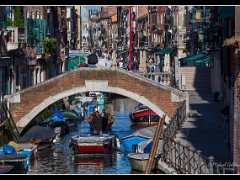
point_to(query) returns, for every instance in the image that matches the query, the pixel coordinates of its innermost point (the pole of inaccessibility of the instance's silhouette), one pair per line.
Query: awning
(193, 58)
(165, 51)
(202, 60)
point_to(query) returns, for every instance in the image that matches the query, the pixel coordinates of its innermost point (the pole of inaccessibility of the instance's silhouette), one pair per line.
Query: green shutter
(4, 23)
(30, 28)
(193, 14)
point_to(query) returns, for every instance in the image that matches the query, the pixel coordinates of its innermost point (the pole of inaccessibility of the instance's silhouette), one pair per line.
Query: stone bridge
(27, 104)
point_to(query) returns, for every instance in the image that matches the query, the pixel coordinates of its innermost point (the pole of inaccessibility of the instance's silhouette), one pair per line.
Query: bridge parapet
(26, 104)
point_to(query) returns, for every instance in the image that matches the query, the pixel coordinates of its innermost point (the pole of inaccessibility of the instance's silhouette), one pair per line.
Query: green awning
(193, 58)
(165, 51)
(202, 60)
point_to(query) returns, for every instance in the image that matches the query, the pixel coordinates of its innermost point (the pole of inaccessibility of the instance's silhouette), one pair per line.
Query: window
(37, 14)
(32, 15)
(40, 14)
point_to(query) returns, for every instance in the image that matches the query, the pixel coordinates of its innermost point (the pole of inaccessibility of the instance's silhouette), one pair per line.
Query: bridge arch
(27, 104)
(23, 122)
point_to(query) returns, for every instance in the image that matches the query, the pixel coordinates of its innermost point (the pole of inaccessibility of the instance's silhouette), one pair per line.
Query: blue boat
(26, 149)
(131, 141)
(55, 122)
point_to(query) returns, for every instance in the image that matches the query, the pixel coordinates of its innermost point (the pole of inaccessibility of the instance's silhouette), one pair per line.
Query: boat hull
(94, 148)
(130, 143)
(139, 161)
(144, 116)
(93, 144)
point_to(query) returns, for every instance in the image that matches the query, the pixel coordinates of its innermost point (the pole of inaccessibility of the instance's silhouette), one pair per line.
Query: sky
(93, 7)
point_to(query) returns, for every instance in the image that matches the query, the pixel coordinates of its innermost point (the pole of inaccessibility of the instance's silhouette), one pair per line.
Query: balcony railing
(163, 78)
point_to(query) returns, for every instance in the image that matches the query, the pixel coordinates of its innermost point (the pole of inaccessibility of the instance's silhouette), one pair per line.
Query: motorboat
(87, 143)
(144, 115)
(139, 161)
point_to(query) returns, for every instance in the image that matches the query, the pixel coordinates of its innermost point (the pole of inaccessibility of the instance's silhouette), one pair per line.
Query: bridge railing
(187, 161)
(182, 158)
(176, 122)
(163, 78)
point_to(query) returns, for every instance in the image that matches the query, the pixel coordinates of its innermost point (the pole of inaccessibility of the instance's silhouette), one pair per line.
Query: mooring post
(155, 145)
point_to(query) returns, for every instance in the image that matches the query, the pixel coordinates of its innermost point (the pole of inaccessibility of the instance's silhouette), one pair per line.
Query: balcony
(12, 33)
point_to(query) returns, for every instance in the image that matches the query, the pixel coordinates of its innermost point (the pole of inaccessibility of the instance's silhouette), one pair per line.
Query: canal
(60, 159)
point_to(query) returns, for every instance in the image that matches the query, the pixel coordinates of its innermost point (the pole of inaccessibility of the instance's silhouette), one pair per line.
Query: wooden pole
(155, 145)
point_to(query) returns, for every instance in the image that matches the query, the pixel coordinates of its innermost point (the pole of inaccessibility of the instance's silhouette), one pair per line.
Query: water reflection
(93, 163)
(50, 160)
(60, 159)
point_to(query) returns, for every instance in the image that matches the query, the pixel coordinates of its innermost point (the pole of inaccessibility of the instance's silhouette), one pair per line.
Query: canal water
(60, 159)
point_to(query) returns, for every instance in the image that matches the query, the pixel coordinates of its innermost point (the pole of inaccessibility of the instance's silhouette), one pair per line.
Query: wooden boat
(143, 115)
(19, 161)
(86, 143)
(138, 161)
(107, 120)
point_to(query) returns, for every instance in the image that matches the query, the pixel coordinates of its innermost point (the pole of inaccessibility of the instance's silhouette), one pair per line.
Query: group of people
(99, 122)
(123, 62)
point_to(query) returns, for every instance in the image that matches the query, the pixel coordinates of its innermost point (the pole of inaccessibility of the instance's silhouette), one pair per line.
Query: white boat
(86, 143)
(138, 161)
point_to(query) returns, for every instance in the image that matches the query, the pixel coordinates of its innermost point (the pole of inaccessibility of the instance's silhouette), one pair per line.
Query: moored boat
(19, 161)
(86, 143)
(144, 115)
(131, 141)
(56, 122)
(138, 161)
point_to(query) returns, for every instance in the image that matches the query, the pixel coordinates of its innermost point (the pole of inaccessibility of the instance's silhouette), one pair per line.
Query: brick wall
(32, 97)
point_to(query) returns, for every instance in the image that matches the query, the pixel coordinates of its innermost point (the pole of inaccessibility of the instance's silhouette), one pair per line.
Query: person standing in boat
(96, 123)
(104, 119)
(108, 120)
